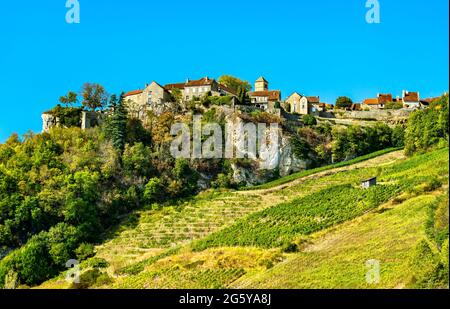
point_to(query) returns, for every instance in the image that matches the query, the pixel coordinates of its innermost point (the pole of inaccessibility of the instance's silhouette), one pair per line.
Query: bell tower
(261, 84)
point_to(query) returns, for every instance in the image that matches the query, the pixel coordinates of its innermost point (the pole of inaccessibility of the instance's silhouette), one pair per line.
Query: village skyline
(330, 51)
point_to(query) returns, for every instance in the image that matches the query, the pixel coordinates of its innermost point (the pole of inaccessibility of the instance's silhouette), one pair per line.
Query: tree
(343, 102)
(69, 99)
(116, 127)
(234, 83)
(177, 95)
(94, 96)
(243, 96)
(113, 102)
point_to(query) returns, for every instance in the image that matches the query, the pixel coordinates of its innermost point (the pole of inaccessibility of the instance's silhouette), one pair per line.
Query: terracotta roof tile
(313, 99)
(173, 86)
(371, 101)
(272, 95)
(205, 81)
(134, 92)
(384, 98)
(411, 97)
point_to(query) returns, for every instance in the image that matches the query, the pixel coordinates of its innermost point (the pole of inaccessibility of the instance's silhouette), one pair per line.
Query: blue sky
(320, 47)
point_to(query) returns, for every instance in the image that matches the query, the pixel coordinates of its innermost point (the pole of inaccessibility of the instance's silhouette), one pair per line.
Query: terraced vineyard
(238, 238)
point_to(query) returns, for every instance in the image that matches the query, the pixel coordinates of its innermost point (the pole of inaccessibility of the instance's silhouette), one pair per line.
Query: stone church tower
(261, 84)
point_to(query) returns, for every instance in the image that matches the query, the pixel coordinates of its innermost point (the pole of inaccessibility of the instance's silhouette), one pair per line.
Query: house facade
(156, 97)
(201, 87)
(410, 99)
(139, 102)
(262, 97)
(304, 105)
(377, 103)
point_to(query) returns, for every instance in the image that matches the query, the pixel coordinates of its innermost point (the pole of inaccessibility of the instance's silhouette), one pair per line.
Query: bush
(84, 251)
(309, 120)
(290, 248)
(153, 190)
(136, 159)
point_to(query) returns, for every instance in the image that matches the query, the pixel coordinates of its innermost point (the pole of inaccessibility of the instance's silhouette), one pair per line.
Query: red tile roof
(371, 101)
(272, 95)
(134, 92)
(430, 100)
(205, 81)
(177, 86)
(313, 99)
(384, 98)
(411, 97)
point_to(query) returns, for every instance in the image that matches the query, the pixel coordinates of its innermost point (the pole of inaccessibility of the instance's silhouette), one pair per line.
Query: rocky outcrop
(90, 119)
(48, 122)
(279, 162)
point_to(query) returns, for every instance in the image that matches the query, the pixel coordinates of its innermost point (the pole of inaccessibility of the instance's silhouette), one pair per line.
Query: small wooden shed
(366, 184)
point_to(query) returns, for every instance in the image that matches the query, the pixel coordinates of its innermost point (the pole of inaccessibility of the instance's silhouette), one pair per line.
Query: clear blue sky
(320, 47)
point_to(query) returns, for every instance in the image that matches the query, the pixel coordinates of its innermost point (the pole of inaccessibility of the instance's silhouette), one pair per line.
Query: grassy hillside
(314, 231)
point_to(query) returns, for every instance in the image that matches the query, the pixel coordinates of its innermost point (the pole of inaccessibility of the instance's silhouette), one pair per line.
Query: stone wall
(48, 122)
(380, 115)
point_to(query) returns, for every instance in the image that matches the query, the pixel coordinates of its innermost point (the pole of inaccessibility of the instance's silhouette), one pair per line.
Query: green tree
(243, 96)
(234, 83)
(343, 102)
(428, 128)
(94, 96)
(137, 159)
(116, 125)
(69, 99)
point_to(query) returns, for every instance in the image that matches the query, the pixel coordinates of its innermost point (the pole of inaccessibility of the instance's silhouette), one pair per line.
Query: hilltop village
(154, 95)
(183, 96)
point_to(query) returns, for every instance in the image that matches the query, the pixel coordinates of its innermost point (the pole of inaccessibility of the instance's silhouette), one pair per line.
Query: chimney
(187, 80)
(404, 92)
(418, 96)
(378, 95)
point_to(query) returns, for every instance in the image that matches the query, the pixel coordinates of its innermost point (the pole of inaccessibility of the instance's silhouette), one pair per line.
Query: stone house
(410, 99)
(262, 97)
(152, 97)
(198, 88)
(293, 101)
(377, 103)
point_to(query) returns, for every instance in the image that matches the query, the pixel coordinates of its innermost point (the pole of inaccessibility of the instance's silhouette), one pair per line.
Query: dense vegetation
(61, 191)
(428, 128)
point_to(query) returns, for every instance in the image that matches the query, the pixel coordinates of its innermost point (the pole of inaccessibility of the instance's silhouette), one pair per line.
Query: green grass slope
(248, 238)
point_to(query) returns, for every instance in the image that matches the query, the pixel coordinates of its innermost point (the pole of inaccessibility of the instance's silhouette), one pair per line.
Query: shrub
(309, 120)
(153, 190)
(84, 251)
(290, 248)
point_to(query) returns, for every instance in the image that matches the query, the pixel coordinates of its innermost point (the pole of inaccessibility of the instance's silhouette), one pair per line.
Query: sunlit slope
(315, 231)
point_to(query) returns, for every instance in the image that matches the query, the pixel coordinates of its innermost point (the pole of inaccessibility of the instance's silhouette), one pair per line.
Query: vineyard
(223, 239)
(277, 226)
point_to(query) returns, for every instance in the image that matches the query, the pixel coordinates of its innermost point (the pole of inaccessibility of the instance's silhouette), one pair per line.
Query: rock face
(90, 119)
(278, 161)
(49, 121)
